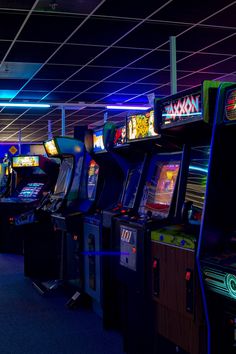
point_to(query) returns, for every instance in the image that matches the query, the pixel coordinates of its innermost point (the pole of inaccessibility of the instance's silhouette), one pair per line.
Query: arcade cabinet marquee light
(182, 108)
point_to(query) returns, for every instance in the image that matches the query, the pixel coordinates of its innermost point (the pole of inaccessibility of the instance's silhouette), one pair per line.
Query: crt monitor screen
(196, 182)
(31, 190)
(93, 172)
(132, 184)
(64, 177)
(158, 191)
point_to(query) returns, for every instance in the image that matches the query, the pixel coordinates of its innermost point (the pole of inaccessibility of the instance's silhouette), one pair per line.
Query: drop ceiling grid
(215, 62)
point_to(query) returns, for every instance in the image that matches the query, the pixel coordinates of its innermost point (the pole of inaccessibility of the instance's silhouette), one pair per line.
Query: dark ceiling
(105, 52)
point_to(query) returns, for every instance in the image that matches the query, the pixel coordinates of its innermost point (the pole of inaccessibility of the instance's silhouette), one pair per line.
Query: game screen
(196, 182)
(51, 148)
(120, 136)
(98, 140)
(132, 185)
(31, 190)
(64, 177)
(93, 173)
(140, 126)
(158, 192)
(230, 105)
(25, 161)
(181, 110)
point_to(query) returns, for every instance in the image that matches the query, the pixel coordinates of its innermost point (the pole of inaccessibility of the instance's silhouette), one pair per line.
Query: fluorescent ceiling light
(25, 105)
(136, 108)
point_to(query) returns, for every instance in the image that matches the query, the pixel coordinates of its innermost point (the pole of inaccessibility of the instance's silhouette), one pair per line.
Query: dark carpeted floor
(33, 324)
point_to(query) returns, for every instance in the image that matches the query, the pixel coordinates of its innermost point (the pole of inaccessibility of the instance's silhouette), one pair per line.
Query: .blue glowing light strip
(181, 114)
(200, 169)
(25, 105)
(136, 108)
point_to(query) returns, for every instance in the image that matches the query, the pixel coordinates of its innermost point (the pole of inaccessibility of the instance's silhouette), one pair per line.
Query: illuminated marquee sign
(230, 105)
(120, 136)
(140, 126)
(25, 161)
(98, 140)
(183, 109)
(50, 148)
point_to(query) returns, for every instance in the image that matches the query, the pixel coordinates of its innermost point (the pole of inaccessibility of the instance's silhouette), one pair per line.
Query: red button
(154, 265)
(188, 276)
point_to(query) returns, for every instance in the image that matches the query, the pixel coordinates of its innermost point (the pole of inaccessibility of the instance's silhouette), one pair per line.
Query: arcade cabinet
(42, 246)
(179, 320)
(130, 235)
(5, 176)
(35, 176)
(68, 223)
(217, 246)
(110, 187)
(133, 157)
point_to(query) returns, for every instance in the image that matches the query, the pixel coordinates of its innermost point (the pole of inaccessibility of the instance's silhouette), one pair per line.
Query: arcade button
(154, 264)
(182, 242)
(188, 275)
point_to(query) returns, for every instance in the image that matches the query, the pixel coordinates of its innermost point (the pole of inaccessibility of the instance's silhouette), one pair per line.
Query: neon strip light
(25, 105)
(136, 108)
(200, 169)
(182, 115)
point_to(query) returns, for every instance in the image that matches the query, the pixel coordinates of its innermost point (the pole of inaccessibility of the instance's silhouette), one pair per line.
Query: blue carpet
(32, 324)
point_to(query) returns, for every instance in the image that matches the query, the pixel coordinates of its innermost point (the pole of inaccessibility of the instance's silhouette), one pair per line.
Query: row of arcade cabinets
(155, 296)
(217, 251)
(33, 177)
(115, 240)
(141, 221)
(148, 286)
